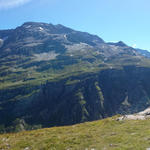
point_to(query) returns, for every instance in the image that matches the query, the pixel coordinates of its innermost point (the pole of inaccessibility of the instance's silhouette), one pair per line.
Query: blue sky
(112, 20)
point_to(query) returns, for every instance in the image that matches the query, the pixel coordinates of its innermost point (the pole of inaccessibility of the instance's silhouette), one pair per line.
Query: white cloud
(5, 4)
(134, 45)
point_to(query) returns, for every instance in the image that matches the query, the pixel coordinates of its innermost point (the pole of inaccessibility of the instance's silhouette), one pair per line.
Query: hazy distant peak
(34, 23)
(120, 43)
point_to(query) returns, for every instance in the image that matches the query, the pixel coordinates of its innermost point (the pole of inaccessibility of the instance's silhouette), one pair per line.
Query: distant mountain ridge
(51, 75)
(145, 53)
(120, 43)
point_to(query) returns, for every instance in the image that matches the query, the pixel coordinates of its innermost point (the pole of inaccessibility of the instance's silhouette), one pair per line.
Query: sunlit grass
(104, 134)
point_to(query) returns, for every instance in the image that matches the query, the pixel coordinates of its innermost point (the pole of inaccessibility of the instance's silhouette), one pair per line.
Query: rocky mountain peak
(50, 28)
(120, 43)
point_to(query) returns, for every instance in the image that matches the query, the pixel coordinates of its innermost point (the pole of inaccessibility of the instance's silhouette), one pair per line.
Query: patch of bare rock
(143, 115)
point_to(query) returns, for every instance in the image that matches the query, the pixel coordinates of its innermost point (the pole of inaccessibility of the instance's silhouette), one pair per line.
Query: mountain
(120, 43)
(97, 135)
(51, 75)
(145, 53)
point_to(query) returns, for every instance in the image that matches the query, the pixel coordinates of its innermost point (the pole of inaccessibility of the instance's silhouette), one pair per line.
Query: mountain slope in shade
(52, 75)
(145, 53)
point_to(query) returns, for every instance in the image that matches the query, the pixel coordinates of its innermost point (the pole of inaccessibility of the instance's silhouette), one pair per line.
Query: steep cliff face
(96, 96)
(79, 98)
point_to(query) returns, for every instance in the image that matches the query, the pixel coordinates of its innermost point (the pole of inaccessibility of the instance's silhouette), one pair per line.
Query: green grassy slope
(107, 134)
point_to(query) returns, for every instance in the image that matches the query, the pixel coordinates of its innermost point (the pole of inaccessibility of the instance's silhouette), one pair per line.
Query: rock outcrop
(143, 115)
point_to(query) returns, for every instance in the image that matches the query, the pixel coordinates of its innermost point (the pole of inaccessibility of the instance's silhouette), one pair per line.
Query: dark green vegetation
(107, 134)
(52, 75)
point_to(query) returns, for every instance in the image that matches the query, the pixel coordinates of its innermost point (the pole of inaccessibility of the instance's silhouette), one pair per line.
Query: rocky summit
(51, 75)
